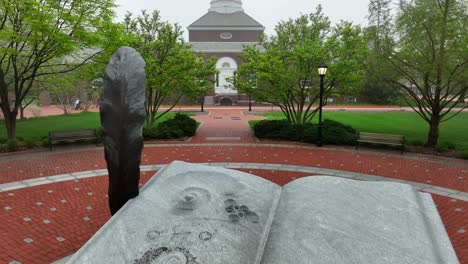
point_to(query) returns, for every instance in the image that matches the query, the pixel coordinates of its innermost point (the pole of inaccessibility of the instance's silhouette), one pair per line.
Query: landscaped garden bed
(33, 132)
(453, 140)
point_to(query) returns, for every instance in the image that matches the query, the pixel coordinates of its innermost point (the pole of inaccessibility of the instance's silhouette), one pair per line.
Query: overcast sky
(267, 12)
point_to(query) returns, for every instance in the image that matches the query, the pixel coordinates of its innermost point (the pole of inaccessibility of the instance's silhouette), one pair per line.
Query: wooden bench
(75, 136)
(381, 139)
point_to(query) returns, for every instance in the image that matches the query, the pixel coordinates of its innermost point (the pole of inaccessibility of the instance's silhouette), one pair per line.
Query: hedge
(178, 127)
(334, 132)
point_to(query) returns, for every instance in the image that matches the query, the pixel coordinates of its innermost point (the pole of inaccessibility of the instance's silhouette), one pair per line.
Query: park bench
(381, 139)
(75, 136)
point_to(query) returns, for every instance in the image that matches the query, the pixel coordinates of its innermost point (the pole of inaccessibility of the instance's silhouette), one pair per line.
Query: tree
(380, 35)
(173, 70)
(37, 38)
(431, 59)
(84, 84)
(286, 72)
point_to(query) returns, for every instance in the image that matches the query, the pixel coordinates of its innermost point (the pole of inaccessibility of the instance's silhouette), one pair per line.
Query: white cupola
(226, 6)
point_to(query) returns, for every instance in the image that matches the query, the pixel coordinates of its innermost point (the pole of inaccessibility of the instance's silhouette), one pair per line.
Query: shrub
(45, 142)
(271, 128)
(338, 134)
(449, 145)
(179, 126)
(333, 132)
(416, 142)
(12, 145)
(463, 153)
(99, 134)
(30, 142)
(184, 122)
(149, 133)
(445, 146)
(3, 140)
(20, 138)
(169, 132)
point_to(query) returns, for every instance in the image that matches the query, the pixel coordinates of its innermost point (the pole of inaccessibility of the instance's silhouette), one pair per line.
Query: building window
(226, 65)
(305, 83)
(351, 99)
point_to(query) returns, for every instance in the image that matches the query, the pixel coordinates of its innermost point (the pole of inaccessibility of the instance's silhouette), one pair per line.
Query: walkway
(52, 203)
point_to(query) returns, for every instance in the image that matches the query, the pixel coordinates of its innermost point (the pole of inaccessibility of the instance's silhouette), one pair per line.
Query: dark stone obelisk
(122, 109)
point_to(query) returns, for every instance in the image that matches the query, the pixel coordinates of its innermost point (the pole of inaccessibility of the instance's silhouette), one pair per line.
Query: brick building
(223, 32)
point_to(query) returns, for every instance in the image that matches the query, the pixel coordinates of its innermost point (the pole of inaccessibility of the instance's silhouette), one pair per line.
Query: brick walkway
(49, 221)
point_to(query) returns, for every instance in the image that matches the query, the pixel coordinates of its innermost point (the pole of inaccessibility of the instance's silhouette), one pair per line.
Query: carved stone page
(189, 214)
(324, 220)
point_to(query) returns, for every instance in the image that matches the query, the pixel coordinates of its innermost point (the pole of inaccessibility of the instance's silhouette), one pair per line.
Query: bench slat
(71, 136)
(381, 139)
(380, 142)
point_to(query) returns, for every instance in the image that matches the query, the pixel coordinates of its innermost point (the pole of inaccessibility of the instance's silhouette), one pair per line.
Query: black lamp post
(252, 79)
(322, 71)
(202, 98)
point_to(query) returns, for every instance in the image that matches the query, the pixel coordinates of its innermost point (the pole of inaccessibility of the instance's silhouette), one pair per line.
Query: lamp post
(322, 71)
(202, 98)
(252, 78)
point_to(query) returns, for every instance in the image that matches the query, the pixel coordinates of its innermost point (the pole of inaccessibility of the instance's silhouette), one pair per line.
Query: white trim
(451, 193)
(221, 61)
(224, 72)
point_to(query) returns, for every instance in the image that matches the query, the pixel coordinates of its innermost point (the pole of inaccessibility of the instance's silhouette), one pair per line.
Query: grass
(408, 124)
(36, 128)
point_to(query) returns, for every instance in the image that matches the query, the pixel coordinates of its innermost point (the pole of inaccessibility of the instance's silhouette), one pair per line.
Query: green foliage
(377, 88)
(338, 134)
(376, 91)
(179, 126)
(416, 142)
(173, 69)
(30, 142)
(286, 74)
(99, 134)
(45, 38)
(408, 124)
(40, 127)
(441, 148)
(45, 142)
(3, 140)
(12, 145)
(445, 146)
(463, 153)
(333, 132)
(431, 58)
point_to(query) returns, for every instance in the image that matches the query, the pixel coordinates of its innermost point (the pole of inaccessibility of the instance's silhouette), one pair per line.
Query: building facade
(223, 32)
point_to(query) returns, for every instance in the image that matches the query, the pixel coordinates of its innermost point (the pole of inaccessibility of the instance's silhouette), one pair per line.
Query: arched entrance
(226, 67)
(225, 102)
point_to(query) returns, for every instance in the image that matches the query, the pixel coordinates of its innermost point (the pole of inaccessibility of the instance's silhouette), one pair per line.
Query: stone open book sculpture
(194, 214)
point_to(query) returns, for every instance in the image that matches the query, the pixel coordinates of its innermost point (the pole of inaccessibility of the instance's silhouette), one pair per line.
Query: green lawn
(410, 125)
(39, 127)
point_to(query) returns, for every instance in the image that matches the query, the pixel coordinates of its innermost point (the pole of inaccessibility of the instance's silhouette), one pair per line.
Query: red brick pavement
(81, 209)
(434, 173)
(226, 123)
(59, 218)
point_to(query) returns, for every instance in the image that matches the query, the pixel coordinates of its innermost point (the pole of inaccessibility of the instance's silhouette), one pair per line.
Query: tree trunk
(10, 123)
(22, 112)
(433, 136)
